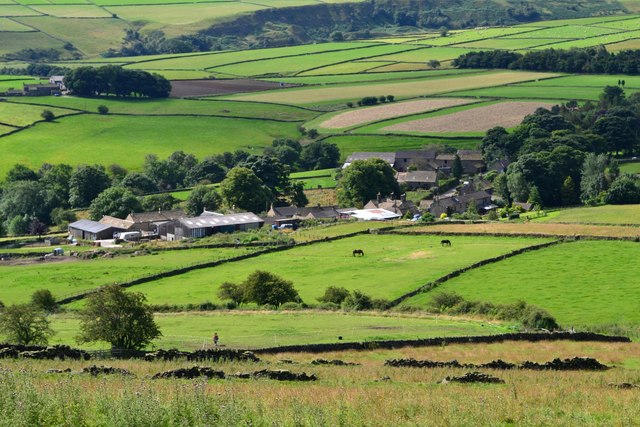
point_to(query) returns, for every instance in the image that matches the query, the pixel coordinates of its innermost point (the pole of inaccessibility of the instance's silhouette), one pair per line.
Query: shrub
(291, 306)
(445, 300)
(47, 115)
(390, 98)
(357, 301)
(427, 217)
(334, 294)
(350, 104)
(380, 304)
(368, 100)
(330, 306)
(103, 109)
(44, 300)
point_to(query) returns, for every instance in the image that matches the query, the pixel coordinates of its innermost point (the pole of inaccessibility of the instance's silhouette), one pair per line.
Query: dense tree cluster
(363, 180)
(260, 287)
(115, 80)
(594, 60)
(566, 155)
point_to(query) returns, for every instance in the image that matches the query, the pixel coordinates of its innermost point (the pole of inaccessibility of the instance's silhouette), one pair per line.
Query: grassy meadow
(352, 395)
(126, 140)
(18, 282)
(608, 214)
(391, 267)
(260, 329)
(579, 283)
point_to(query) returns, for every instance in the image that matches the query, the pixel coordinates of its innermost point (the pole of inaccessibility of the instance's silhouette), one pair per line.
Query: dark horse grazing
(358, 252)
(445, 242)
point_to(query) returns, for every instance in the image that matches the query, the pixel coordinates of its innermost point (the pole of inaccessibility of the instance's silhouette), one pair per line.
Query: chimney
(393, 195)
(378, 197)
(403, 197)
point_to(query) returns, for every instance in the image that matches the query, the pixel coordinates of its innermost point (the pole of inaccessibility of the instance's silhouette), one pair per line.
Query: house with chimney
(400, 206)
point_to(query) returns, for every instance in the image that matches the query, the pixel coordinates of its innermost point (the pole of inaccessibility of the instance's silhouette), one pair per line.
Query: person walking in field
(215, 339)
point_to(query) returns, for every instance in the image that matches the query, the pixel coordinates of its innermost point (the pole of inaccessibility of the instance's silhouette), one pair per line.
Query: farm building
(148, 221)
(422, 160)
(459, 203)
(85, 229)
(365, 155)
(116, 222)
(41, 89)
(400, 206)
(418, 179)
(206, 225)
(293, 214)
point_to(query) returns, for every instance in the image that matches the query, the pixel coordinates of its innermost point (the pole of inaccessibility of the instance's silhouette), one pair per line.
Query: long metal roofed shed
(202, 226)
(85, 229)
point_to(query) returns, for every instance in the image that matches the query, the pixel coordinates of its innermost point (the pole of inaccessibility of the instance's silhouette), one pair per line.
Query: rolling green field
(324, 178)
(24, 115)
(392, 266)
(153, 107)
(17, 283)
(579, 283)
(608, 214)
(238, 329)
(127, 139)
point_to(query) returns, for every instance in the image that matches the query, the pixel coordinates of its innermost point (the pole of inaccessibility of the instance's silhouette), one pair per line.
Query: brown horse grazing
(358, 252)
(445, 242)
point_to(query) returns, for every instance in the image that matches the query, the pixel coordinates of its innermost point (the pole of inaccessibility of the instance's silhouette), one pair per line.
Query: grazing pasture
(255, 329)
(24, 115)
(17, 283)
(478, 119)
(534, 227)
(163, 107)
(392, 266)
(608, 214)
(560, 93)
(126, 140)
(579, 283)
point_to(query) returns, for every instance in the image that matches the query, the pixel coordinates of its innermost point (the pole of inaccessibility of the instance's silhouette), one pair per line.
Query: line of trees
(115, 80)
(566, 155)
(594, 60)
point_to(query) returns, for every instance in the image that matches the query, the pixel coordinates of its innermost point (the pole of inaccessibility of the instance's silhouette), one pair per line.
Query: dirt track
(365, 115)
(505, 114)
(187, 88)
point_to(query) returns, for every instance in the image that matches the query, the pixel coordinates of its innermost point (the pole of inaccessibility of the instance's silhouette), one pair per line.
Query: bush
(390, 98)
(334, 294)
(357, 301)
(368, 100)
(47, 115)
(330, 306)
(292, 306)
(103, 109)
(350, 104)
(44, 300)
(445, 300)
(427, 217)
(381, 304)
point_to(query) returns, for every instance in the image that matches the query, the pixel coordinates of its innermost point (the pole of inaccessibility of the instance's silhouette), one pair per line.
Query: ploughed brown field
(186, 88)
(505, 114)
(372, 114)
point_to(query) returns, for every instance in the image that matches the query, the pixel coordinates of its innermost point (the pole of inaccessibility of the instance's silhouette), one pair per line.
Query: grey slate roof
(156, 216)
(90, 226)
(365, 155)
(418, 176)
(220, 221)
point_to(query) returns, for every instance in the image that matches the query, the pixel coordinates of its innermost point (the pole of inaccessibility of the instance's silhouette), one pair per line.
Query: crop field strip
(478, 119)
(404, 89)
